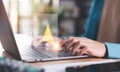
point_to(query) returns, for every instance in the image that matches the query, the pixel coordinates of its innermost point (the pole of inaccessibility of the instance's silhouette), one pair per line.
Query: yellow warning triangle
(48, 34)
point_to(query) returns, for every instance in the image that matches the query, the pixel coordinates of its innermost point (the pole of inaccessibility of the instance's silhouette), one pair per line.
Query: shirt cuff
(113, 50)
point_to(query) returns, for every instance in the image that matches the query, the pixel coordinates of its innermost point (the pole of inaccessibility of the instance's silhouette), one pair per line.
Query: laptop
(26, 53)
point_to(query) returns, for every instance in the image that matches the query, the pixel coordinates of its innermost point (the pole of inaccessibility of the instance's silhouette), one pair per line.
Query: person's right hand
(84, 46)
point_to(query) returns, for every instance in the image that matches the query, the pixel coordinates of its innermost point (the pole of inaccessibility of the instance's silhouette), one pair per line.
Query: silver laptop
(26, 53)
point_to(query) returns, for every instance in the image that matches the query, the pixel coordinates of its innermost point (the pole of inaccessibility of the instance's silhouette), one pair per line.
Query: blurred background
(71, 14)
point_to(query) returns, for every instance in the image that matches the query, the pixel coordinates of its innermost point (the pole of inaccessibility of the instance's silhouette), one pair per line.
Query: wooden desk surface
(4, 54)
(57, 62)
(67, 61)
(60, 65)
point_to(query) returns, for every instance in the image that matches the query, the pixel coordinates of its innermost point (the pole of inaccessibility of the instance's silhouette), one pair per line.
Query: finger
(70, 44)
(75, 48)
(65, 41)
(83, 51)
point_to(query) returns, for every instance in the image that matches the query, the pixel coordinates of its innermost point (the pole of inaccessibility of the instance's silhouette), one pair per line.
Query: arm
(113, 50)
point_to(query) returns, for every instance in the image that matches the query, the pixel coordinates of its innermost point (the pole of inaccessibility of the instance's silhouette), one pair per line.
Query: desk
(59, 66)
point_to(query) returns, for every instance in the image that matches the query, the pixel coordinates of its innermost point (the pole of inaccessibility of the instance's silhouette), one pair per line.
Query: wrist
(106, 51)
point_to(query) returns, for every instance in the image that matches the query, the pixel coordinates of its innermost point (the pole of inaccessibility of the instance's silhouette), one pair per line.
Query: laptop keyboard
(31, 53)
(52, 54)
(62, 53)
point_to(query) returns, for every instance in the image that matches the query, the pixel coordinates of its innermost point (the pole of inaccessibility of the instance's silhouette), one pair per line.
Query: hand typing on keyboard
(83, 46)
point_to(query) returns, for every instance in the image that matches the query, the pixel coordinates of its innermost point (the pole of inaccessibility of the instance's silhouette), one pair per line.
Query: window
(21, 13)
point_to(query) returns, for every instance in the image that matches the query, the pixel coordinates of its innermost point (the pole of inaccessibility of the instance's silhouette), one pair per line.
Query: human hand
(84, 46)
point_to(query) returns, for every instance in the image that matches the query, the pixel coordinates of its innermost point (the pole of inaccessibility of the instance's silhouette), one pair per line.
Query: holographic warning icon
(48, 37)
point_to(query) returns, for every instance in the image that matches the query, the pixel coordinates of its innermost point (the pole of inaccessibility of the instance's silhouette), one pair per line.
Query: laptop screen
(6, 34)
